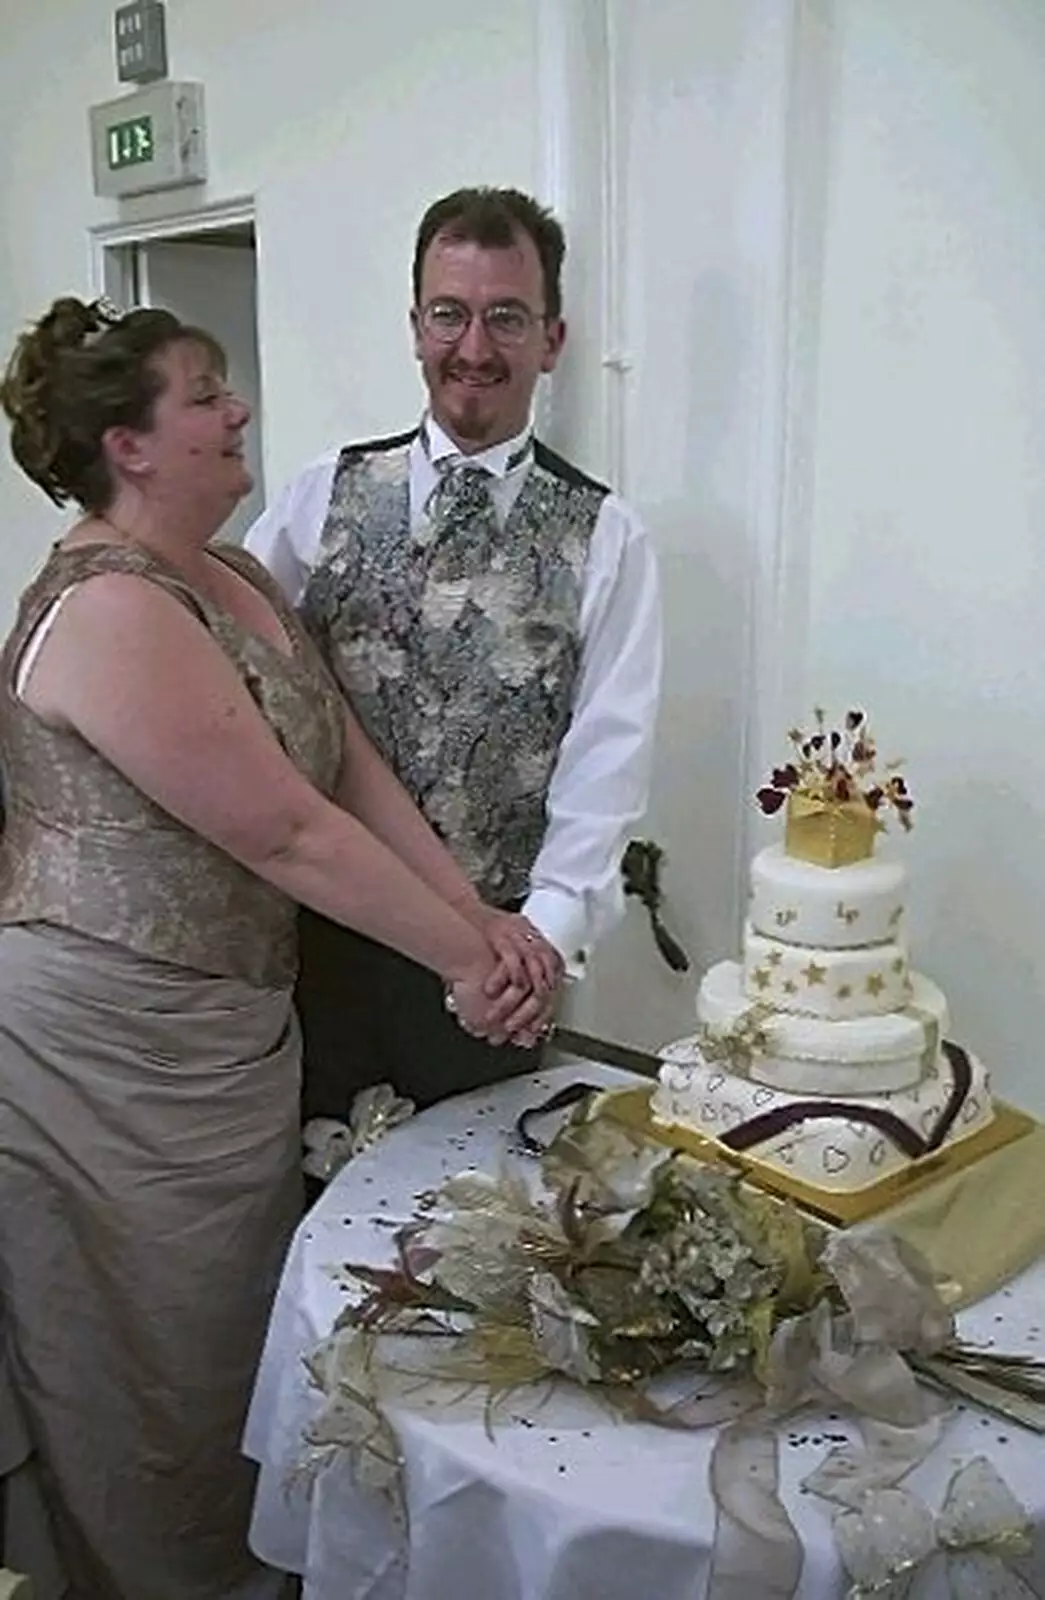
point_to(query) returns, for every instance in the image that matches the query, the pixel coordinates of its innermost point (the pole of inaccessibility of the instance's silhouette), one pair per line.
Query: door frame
(113, 245)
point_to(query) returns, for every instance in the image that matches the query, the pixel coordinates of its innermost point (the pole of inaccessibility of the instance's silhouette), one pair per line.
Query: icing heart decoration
(856, 1128)
(731, 1113)
(928, 1120)
(763, 1097)
(716, 1081)
(710, 1112)
(835, 1160)
(970, 1109)
(786, 1154)
(876, 1154)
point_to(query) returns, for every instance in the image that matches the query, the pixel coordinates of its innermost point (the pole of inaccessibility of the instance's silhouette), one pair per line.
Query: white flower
(562, 1329)
(484, 1237)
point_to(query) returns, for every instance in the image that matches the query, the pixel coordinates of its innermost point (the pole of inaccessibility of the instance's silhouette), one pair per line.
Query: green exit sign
(130, 144)
(146, 141)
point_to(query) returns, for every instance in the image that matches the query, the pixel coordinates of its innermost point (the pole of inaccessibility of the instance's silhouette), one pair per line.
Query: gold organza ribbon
(756, 1549)
(890, 1540)
(843, 1360)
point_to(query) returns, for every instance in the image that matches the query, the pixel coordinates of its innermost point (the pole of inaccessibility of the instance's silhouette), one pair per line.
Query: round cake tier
(808, 1055)
(835, 908)
(836, 984)
(836, 1154)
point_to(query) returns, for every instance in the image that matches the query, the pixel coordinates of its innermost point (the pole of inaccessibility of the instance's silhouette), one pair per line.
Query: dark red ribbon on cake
(749, 1135)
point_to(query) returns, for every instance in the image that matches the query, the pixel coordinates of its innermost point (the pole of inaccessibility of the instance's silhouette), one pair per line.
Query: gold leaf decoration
(737, 1045)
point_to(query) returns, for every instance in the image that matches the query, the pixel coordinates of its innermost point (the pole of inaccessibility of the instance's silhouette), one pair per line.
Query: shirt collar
(499, 460)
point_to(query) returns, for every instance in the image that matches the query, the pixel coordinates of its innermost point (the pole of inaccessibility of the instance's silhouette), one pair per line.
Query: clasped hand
(514, 997)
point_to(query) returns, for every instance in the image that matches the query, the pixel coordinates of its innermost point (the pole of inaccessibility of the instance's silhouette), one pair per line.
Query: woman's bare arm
(134, 673)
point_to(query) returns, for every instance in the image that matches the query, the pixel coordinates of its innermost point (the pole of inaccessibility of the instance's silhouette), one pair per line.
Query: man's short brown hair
(493, 219)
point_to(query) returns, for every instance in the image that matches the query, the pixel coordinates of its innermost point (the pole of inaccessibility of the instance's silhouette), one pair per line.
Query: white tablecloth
(564, 1502)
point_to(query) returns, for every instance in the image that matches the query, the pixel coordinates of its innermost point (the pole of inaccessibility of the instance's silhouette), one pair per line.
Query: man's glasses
(506, 323)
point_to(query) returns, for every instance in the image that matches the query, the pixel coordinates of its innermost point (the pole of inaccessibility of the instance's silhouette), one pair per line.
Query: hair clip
(106, 310)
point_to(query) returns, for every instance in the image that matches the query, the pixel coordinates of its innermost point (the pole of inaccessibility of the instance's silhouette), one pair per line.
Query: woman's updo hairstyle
(82, 370)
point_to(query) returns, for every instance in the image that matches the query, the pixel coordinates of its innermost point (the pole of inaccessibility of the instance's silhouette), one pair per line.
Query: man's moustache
(453, 371)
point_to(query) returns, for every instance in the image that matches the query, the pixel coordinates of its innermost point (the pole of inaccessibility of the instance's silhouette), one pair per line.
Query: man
(492, 614)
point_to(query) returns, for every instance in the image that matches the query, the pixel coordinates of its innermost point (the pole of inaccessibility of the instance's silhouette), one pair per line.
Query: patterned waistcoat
(459, 652)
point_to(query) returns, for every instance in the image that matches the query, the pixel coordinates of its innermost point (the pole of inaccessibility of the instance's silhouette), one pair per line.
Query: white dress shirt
(600, 782)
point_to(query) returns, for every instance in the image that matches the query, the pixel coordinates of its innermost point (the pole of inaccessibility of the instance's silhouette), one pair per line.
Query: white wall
(927, 553)
(343, 120)
(701, 112)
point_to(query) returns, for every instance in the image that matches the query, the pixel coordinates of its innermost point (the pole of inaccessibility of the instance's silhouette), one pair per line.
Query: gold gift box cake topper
(835, 794)
(829, 833)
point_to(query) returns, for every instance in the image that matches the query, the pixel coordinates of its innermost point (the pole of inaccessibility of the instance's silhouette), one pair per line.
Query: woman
(179, 774)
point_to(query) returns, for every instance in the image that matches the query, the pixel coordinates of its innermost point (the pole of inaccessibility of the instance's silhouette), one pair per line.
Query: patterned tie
(461, 497)
(463, 532)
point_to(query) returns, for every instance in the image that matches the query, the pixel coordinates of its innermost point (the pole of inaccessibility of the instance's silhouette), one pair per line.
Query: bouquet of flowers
(837, 766)
(628, 1261)
(681, 1296)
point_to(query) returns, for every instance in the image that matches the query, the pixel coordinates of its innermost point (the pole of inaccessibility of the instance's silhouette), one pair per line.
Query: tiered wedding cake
(822, 1054)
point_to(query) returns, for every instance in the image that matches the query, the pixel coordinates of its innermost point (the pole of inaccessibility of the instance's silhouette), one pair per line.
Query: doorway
(202, 266)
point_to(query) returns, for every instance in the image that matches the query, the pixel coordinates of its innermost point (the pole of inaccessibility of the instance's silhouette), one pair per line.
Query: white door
(212, 284)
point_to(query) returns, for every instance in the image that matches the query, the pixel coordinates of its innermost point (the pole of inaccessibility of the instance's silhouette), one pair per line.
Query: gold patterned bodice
(85, 849)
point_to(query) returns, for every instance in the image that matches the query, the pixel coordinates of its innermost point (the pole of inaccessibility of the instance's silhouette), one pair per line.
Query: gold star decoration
(875, 983)
(761, 978)
(790, 986)
(814, 974)
(774, 958)
(845, 991)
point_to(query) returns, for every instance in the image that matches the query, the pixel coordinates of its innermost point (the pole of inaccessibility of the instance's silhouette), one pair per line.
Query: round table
(563, 1501)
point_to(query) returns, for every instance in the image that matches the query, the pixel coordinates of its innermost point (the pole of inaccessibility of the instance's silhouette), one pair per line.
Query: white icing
(814, 1056)
(825, 983)
(825, 978)
(834, 1154)
(835, 908)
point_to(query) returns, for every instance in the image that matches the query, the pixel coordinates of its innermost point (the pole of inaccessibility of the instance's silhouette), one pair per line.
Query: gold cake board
(976, 1208)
